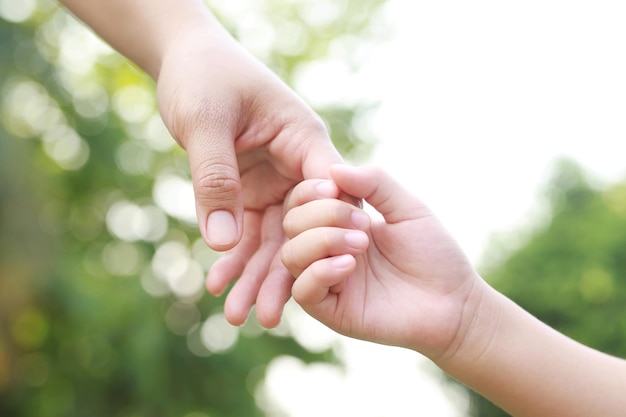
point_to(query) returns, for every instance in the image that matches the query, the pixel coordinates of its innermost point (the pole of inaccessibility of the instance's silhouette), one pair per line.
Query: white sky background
(485, 95)
(478, 99)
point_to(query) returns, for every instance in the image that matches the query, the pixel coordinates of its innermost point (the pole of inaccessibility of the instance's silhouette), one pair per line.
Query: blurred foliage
(102, 308)
(570, 272)
(296, 38)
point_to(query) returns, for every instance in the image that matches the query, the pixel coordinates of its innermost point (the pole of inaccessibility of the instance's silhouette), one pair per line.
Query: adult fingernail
(221, 228)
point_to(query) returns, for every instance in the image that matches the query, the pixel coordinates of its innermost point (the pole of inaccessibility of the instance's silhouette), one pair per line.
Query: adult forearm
(529, 369)
(142, 30)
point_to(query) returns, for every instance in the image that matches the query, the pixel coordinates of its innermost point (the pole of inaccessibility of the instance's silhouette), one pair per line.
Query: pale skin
(403, 280)
(249, 138)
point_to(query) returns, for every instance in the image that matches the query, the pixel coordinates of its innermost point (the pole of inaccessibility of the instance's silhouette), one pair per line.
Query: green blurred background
(102, 306)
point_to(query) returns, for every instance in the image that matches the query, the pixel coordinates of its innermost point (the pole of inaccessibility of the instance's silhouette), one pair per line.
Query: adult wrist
(182, 35)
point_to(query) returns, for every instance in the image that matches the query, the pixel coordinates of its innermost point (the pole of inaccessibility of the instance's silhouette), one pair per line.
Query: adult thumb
(217, 188)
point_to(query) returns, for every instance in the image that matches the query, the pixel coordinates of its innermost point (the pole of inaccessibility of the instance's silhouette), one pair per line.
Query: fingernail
(356, 240)
(342, 262)
(221, 228)
(326, 189)
(360, 220)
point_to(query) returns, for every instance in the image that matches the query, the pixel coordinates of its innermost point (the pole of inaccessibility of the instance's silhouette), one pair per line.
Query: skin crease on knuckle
(216, 179)
(327, 212)
(298, 144)
(297, 255)
(290, 225)
(288, 259)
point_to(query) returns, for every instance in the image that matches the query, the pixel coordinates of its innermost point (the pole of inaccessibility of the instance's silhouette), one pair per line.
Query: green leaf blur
(569, 271)
(102, 306)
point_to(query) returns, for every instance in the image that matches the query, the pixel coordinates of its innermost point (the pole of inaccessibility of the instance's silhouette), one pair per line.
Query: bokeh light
(123, 258)
(91, 100)
(65, 147)
(172, 264)
(134, 103)
(135, 158)
(181, 316)
(131, 223)
(17, 11)
(28, 110)
(174, 195)
(156, 134)
(217, 335)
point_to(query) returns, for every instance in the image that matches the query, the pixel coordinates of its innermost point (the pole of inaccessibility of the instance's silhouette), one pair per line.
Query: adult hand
(248, 136)
(250, 139)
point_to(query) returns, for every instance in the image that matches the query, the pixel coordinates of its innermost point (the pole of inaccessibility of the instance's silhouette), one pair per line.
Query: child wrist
(478, 328)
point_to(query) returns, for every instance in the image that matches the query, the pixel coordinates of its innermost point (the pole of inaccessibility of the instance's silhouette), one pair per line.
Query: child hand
(403, 280)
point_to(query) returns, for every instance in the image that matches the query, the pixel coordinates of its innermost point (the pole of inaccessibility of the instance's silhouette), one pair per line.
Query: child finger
(319, 243)
(310, 190)
(316, 282)
(316, 189)
(381, 190)
(328, 212)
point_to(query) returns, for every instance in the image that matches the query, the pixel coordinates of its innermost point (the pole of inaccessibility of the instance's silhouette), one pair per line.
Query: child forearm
(529, 369)
(142, 30)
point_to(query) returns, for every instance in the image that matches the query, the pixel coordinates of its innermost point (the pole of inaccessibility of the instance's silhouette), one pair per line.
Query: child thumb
(380, 190)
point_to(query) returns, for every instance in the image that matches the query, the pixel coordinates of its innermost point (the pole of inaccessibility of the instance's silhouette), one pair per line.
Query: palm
(402, 286)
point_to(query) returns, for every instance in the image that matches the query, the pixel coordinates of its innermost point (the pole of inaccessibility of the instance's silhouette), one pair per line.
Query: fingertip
(239, 303)
(360, 220)
(237, 315)
(212, 287)
(345, 168)
(222, 230)
(357, 239)
(327, 189)
(273, 296)
(222, 273)
(321, 278)
(343, 262)
(269, 320)
(216, 285)
(216, 185)
(213, 284)
(310, 190)
(350, 180)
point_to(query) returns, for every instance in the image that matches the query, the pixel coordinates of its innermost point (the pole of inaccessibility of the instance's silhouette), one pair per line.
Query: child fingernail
(326, 189)
(342, 262)
(357, 240)
(360, 220)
